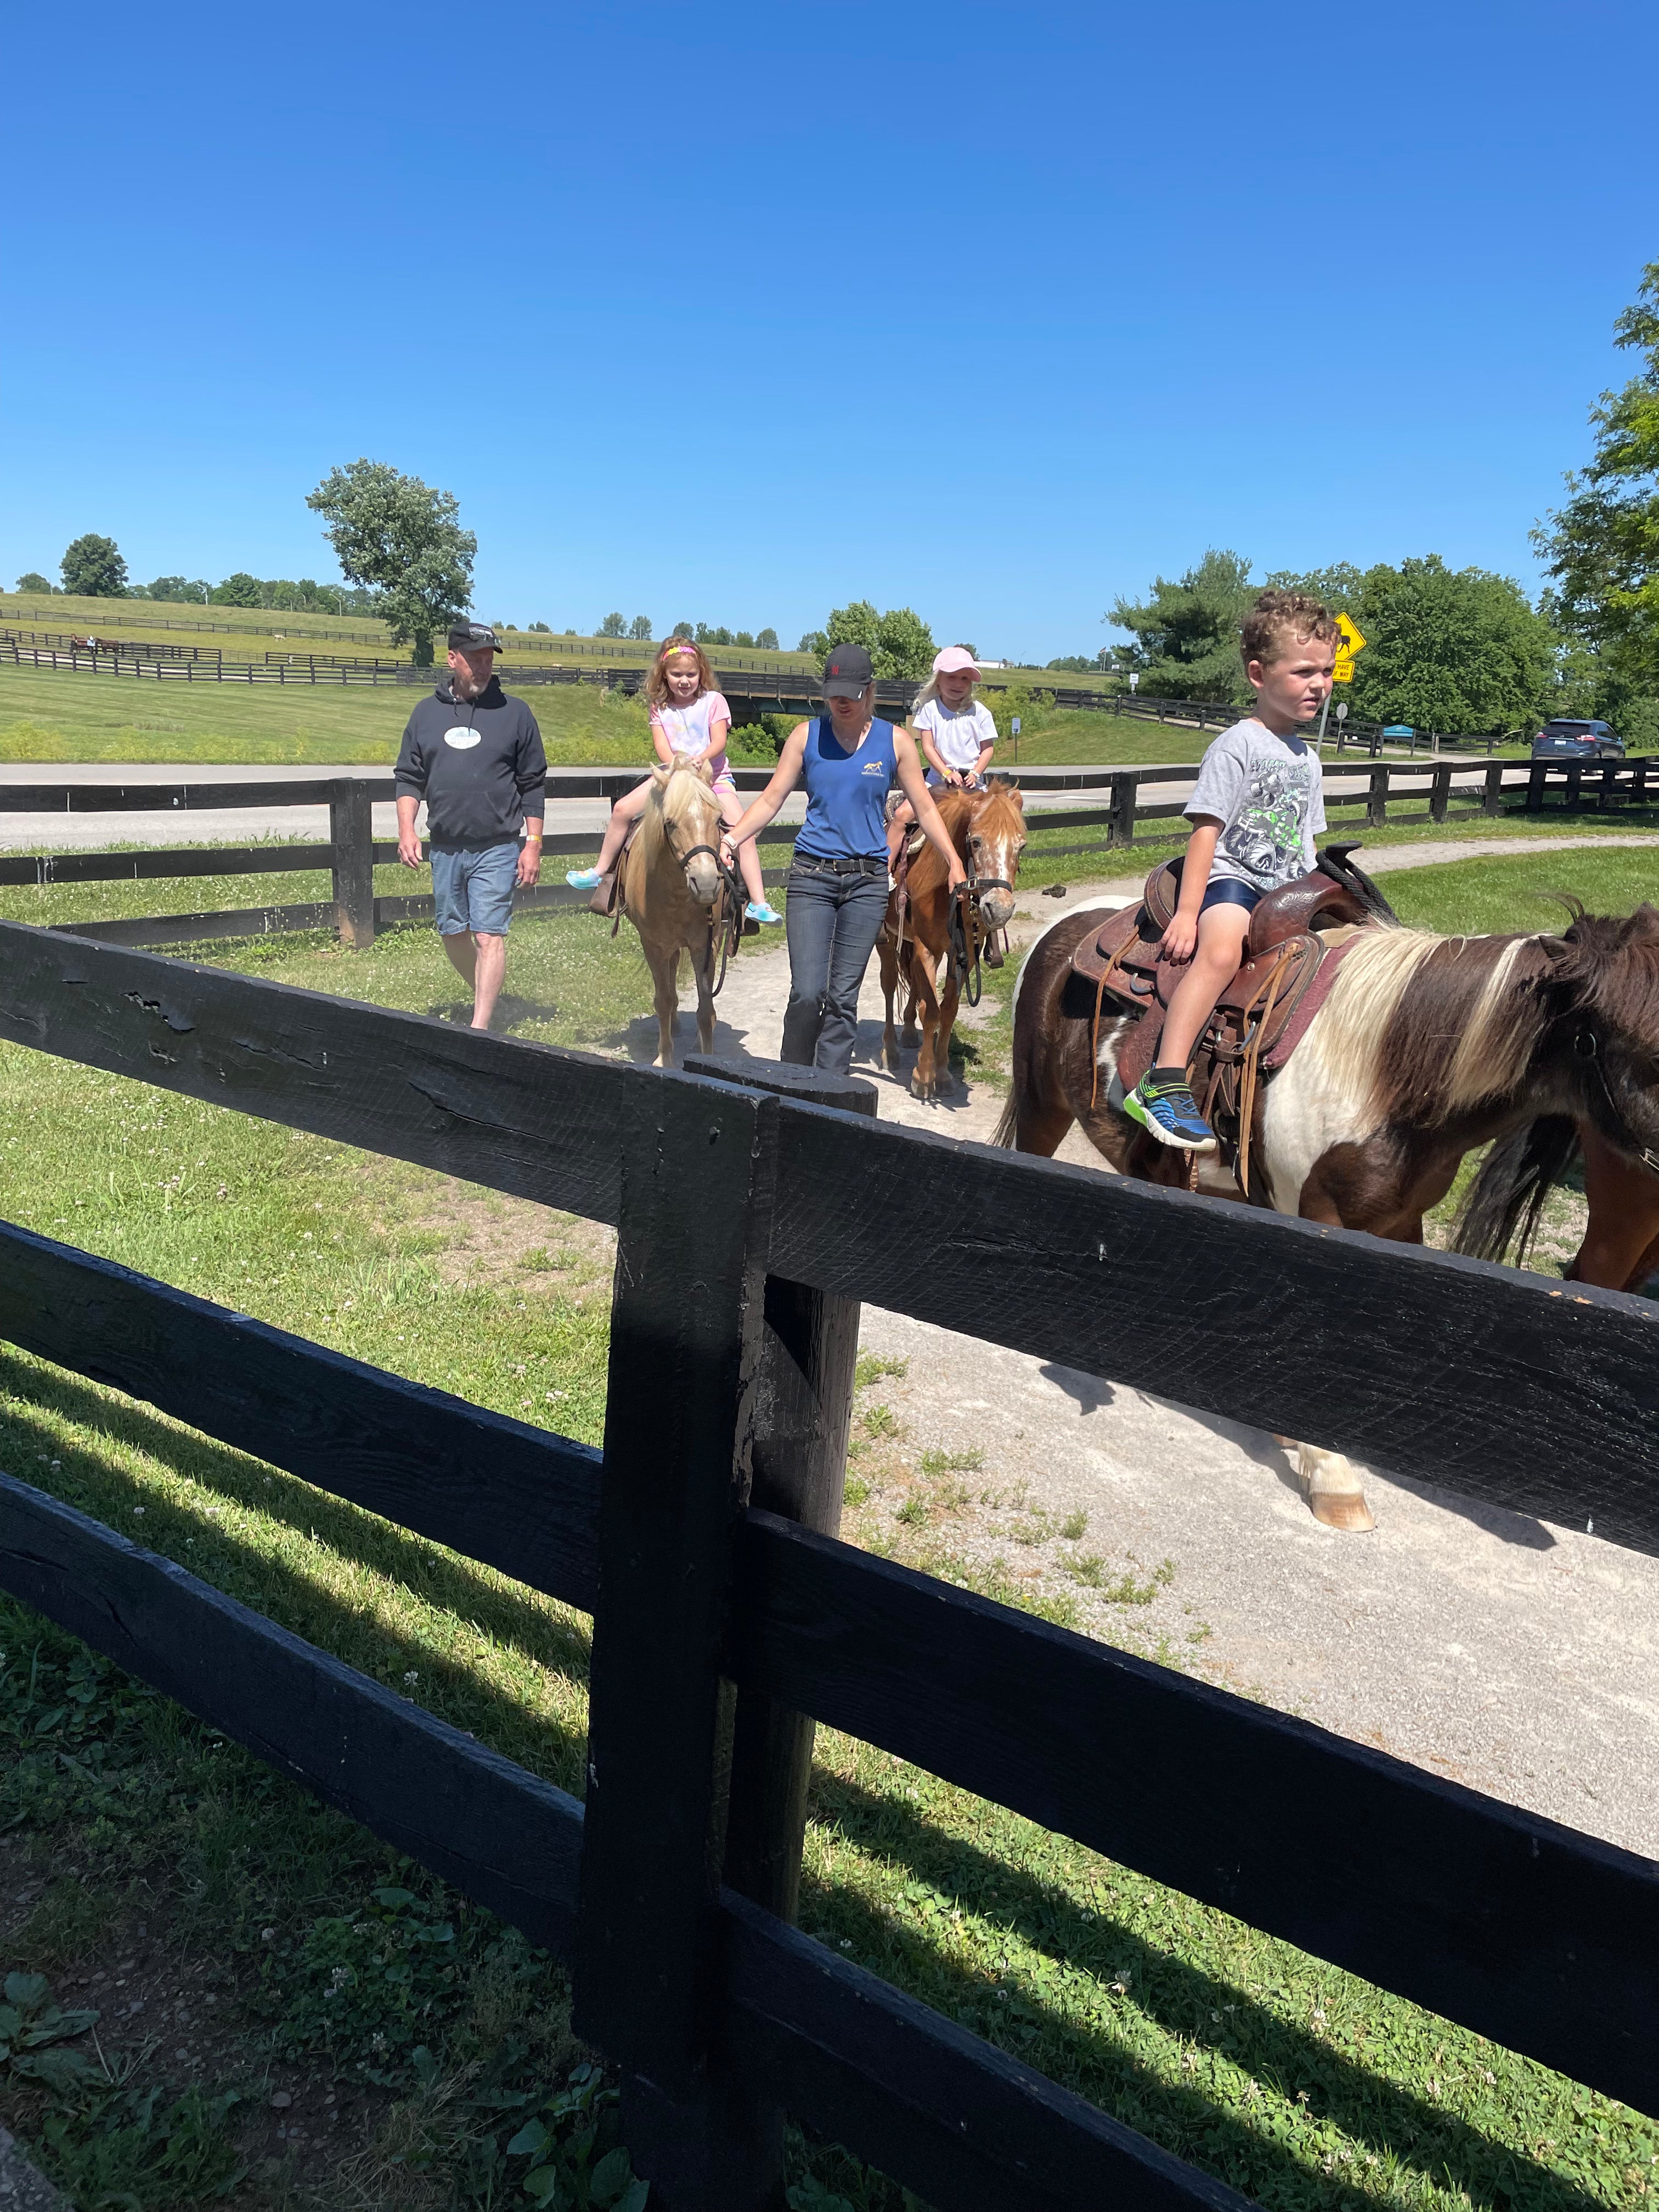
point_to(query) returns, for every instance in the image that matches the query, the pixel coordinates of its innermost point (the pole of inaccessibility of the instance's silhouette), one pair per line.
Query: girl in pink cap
(689, 719)
(956, 733)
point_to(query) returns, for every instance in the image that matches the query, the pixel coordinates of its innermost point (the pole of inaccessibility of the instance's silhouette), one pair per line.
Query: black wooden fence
(352, 852)
(728, 1618)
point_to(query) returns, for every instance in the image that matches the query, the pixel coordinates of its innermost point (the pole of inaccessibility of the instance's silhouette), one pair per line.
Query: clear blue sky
(736, 313)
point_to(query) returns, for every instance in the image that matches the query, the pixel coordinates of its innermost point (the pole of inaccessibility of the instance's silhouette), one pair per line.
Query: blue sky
(736, 313)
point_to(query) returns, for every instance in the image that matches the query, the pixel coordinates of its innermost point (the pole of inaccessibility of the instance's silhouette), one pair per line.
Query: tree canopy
(1602, 547)
(400, 538)
(92, 569)
(1186, 633)
(1456, 650)
(34, 582)
(240, 590)
(899, 643)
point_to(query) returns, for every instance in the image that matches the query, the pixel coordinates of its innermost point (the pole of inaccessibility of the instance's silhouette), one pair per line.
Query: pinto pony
(1426, 1047)
(672, 879)
(987, 829)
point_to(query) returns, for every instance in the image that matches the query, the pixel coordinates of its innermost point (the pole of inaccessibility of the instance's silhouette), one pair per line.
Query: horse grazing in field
(671, 882)
(987, 829)
(1424, 1048)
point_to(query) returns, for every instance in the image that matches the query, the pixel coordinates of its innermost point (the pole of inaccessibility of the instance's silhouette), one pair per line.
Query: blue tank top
(846, 794)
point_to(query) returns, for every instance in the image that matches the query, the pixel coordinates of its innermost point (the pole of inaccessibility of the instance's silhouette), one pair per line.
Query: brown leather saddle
(1298, 934)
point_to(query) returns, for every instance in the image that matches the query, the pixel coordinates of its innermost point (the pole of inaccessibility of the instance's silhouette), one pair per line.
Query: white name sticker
(461, 738)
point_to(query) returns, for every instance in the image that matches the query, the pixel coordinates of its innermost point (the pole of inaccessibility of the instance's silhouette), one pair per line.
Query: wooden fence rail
(710, 1515)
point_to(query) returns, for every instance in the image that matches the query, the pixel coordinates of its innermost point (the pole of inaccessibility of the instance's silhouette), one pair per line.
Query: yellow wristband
(528, 840)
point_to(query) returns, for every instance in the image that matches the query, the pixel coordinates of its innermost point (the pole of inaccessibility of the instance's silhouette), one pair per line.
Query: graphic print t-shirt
(686, 728)
(1267, 793)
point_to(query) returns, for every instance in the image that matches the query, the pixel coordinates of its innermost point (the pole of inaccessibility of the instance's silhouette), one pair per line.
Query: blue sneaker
(1168, 1112)
(758, 910)
(583, 879)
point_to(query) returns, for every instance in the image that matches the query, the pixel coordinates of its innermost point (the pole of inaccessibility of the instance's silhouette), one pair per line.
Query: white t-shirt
(686, 728)
(959, 735)
(1268, 794)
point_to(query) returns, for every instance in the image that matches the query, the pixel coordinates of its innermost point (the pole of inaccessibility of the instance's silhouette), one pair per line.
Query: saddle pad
(1337, 944)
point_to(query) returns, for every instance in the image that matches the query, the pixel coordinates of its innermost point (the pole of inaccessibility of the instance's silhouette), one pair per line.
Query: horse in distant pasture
(987, 829)
(1426, 1047)
(671, 883)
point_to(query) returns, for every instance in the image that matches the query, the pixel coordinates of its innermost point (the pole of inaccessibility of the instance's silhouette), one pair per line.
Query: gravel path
(1520, 1659)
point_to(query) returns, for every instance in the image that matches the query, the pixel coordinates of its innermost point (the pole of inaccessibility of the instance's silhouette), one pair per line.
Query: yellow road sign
(1351, 640)
(1343, 672)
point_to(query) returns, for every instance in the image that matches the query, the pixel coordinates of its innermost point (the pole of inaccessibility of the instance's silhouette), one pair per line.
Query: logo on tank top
(873, 768)
(461, 738)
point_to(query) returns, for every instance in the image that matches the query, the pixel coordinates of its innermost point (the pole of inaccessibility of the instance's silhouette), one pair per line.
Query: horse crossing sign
(1353, 642)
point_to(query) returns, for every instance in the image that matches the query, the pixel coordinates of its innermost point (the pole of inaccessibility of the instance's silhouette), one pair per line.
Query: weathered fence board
(497, 1832)
(508, 1495)
(1508, 1923)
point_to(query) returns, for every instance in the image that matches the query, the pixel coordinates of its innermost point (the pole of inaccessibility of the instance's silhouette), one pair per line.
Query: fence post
(1491, 798)
(1535, 779)
(1439, 795)
(697, 1171)
(351, 830)
(1376, 802)
(802, 1410)
(1638, 782)
(1120, 831)
(1575, 785)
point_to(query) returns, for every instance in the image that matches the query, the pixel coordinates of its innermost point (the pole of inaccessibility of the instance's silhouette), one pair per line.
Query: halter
(1585, 1046)
(968, 929)
(725, 915)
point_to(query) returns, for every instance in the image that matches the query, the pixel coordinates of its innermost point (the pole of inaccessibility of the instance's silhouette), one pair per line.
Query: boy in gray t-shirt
(1255, 809)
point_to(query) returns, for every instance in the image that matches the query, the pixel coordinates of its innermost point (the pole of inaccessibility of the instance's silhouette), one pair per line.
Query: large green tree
(34, 582)
(240, 590)
(401, 539)
(900, 643)
(1186, 633)
(1602, 547)
(92, 569)
(1457, 650)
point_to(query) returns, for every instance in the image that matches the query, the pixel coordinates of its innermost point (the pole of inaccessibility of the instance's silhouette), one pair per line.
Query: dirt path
(1520, 1659)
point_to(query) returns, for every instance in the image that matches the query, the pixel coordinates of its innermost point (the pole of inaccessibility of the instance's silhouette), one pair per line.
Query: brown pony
(987, 829)
(671, 880)
(1426, 1047)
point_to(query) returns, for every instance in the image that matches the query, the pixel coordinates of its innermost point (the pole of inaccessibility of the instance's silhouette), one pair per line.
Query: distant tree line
(93, 568)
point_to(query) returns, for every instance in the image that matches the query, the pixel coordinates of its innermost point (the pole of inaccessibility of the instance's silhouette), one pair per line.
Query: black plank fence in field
(1439, 792)
(754, 1212)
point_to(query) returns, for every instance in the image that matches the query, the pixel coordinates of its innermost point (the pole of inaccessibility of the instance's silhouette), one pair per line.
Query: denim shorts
(474, 889)
(1227, 891)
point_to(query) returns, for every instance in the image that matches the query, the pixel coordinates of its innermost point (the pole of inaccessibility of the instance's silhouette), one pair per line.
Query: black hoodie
(478, 763)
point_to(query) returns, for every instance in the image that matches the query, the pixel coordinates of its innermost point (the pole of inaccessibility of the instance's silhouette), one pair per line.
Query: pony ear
(1555, 948)
(1644, 922)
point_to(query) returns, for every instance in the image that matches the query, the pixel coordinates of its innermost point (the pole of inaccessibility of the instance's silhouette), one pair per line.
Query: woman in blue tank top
(837, 881)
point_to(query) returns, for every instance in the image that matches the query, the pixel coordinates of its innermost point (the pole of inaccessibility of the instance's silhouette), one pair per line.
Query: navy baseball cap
(473, 637)
(847, 672)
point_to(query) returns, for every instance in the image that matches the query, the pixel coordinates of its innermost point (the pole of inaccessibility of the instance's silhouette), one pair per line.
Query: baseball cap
(953, 659)
(847, 672)
(473, 637)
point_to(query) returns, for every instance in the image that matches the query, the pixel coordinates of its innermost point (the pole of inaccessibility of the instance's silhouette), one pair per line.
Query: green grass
(1518, 893)
(1290, 2080)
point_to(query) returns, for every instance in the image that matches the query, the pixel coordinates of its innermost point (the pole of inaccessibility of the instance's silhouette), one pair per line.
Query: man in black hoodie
(474, 756)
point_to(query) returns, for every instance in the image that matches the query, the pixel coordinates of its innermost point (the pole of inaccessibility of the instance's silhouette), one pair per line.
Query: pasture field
(136, 1844)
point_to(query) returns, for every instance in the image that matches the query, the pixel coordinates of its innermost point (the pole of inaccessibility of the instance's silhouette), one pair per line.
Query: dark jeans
(832, 923)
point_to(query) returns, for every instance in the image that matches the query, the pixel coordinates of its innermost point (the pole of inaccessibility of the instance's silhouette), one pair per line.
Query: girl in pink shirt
(689, 718)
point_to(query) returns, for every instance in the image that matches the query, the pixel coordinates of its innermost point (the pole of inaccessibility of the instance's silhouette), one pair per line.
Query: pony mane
(1423, 1027)
(681, 793)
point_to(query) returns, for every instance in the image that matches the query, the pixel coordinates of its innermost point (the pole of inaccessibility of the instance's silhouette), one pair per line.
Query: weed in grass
(913, 1513)
(879, 1421)
(873, 1366)
(1074, 1526)
(855, 1490)
(1036, 1529)
(952, 1462)
(132, 2149)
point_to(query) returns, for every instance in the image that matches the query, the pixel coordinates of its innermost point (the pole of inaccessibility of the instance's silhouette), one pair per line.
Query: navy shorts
(474, 889)
(1227, 891)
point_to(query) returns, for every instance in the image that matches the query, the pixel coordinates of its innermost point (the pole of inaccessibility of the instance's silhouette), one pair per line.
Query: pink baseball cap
(953, 658)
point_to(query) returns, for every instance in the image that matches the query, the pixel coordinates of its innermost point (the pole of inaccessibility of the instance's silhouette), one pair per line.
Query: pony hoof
(910, 1040)
(1341, 1510)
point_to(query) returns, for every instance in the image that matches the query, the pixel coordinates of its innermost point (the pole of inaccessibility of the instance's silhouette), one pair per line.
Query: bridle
(967, 927)
(1586, 1045)
(725, 915)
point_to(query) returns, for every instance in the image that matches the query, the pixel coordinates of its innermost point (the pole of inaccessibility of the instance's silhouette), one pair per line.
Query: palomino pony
(1426, 1047)
(987, 829)
(672, 877)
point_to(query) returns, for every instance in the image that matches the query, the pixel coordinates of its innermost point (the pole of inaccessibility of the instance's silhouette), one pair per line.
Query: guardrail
(728, 1618)
(352, 852)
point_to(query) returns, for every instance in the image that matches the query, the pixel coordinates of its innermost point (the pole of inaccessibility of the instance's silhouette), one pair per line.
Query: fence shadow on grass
(1181, 1998)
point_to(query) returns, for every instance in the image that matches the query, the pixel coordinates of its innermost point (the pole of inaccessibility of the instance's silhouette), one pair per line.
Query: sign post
(1013, 725)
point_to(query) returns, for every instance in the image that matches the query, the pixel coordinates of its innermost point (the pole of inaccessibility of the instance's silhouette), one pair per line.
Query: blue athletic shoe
(583, 879)
(758, 910)
(1169, 1113)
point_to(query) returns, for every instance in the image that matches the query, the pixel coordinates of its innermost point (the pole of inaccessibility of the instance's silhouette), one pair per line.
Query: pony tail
(1505, 1201)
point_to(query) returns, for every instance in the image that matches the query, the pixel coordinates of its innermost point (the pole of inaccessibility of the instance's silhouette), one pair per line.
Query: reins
(968, 931)
(725, 921)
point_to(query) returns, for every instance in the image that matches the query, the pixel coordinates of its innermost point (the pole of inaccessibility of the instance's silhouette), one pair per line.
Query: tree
(765, 640)
(1340, 587)
(92, 569)
(904, 646)
(1457, 650)
(742, 637)
(1185, 635)
(640, 628)
(857, 624)
(681, 630)
(240, 590)
(613, 626)
(707, 637)
(1075, 664)
(398, 537)
(815, 642)
(543, 627)
(34, 582)
(1602, 547)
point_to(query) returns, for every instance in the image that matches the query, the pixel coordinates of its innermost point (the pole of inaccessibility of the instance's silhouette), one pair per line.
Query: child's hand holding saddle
(1181, 939)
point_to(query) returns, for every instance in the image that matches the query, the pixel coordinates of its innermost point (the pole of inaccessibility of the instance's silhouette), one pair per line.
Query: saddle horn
(1334, 862)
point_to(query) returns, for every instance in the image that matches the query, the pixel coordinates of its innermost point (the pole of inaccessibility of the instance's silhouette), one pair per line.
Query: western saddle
(1298, 937)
